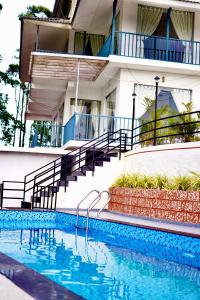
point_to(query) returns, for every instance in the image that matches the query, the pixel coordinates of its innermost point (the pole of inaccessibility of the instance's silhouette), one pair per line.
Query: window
(173, 97)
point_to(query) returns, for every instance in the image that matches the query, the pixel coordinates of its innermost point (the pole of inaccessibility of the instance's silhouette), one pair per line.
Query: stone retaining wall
(179, 206)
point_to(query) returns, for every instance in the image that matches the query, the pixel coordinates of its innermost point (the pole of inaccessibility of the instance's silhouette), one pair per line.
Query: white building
(90, 57)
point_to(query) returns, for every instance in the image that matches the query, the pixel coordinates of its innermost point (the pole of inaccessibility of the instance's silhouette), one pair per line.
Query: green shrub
(137, 180)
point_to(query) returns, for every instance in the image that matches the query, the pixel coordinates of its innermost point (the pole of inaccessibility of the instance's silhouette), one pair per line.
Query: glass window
(166, 96)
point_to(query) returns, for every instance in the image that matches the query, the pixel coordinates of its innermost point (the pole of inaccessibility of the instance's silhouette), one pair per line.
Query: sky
(10, 26)
(10, 36)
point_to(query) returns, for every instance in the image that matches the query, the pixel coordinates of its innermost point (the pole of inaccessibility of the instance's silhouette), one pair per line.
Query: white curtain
(95, 111)
(142, 92)
(148, 19)
(181, 96)
(183, 24)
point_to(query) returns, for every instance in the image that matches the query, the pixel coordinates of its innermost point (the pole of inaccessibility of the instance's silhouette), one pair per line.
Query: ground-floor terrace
(88, 109)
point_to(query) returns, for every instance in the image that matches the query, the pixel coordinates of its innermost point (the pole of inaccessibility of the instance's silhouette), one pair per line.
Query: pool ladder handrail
(78, 206)
(92, 205)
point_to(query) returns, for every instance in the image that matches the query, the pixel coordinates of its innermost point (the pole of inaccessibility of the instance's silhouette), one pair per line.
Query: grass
(161, 182)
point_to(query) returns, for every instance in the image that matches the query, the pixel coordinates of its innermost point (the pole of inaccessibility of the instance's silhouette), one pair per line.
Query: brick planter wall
(179, 206)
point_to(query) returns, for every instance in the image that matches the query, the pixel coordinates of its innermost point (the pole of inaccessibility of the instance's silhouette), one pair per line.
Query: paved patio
(9, 291)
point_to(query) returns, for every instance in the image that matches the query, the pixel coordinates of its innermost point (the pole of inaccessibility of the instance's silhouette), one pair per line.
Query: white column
(124, 95)
(196, 36)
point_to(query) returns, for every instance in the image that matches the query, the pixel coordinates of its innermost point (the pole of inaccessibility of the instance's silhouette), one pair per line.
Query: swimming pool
(113, 262)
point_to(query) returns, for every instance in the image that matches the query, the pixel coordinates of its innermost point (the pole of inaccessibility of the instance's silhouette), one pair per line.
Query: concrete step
(103, 158)
(63, 183)
(71, 178)
(78, 173)
(25, 204)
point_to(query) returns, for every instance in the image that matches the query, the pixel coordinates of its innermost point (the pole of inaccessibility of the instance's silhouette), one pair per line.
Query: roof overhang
(65, 66)
(50, 74)
(46, 34)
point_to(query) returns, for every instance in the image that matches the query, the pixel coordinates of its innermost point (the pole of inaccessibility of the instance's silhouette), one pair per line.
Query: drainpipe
(113, 27)
(169, 11)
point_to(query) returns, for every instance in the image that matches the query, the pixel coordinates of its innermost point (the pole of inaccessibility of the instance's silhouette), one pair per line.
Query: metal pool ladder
(78, 206)
(92, 205)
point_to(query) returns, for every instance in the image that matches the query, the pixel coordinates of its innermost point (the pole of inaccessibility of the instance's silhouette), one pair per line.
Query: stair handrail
(105, 143)
(81, 151)
(83, 146)
(78, 206)
(92, 205)
(99, 212)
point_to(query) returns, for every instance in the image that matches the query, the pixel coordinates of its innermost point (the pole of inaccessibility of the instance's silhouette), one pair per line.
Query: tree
(187, 124)
(36, 11)
(182, 127)
(7, 121)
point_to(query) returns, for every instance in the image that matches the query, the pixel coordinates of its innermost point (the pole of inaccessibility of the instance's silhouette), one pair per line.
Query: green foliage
(43, 132)
(182, 128)
(148, 124)
(188, 130)
(36, 11)
(137, 180)
(8, 124)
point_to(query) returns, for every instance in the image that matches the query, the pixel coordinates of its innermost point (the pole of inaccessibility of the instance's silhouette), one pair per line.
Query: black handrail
(82, 148)
(184, 128)
(69, 153)
(50, 172)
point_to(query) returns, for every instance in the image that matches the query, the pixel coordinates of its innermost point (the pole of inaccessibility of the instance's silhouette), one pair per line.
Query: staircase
(42, 186)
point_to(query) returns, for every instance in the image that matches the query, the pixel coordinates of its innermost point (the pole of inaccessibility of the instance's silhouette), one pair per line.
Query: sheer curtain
(183, 23)
(96, 43)
(181, 96)
(148, 19)
(95, 111)
(142, 92)
(79, 42)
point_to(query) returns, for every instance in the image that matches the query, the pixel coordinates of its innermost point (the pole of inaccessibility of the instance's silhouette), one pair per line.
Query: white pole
(77, 85)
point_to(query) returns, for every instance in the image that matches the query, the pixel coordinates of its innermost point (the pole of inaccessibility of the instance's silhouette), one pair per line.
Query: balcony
(85, 127)
(152, 47)
(80, 127)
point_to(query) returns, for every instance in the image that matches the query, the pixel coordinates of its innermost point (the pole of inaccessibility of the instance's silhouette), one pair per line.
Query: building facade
(85, 63)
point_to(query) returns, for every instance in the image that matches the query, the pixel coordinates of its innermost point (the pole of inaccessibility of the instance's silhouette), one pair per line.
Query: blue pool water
(98, 266)
(114, 262)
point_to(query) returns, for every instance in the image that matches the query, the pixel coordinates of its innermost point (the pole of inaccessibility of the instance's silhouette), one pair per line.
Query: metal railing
(94, 203)
(11, 190)
(137, 45)
(83, 200)
(157, 48)
(80, 127)
(179, 128)
(46, 135)
(51, 174)
(84, 127)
